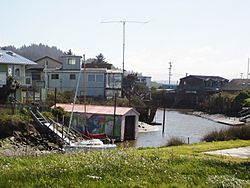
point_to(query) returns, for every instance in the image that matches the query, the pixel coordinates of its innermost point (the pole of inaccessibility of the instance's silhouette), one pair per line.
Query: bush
(232, 133)
(175, 141)
(47, 115)
(215, 136)
(59, 112)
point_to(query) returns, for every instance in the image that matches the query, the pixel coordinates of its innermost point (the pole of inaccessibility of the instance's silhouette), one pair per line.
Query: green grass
(181, 166)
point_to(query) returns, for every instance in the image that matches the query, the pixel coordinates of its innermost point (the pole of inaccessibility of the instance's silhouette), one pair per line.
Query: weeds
(175, 141)
(232, 133)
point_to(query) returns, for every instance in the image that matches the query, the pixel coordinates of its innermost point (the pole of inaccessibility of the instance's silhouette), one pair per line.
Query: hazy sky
(205, 37)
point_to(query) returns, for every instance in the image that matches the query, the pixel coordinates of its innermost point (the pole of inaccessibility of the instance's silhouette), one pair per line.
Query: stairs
(55, 128)
(245, 114)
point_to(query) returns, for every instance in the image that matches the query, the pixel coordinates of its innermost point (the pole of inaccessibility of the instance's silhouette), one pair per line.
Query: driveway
(242, 152)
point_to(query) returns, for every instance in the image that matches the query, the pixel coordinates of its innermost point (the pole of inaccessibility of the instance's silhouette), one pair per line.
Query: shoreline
(219, 118)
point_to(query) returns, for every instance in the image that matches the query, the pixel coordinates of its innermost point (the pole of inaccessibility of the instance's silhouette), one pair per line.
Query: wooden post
(114, 116)
(163, 121)
(55, 96)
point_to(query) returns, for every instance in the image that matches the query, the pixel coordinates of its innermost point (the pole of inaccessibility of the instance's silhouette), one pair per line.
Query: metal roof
(216, 78)
(94, 109)
(9, 57)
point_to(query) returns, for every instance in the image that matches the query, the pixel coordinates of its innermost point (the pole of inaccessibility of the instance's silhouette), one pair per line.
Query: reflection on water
(177, 124)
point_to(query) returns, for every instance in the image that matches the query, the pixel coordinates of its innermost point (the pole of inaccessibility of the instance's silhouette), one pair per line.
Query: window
(28, 81)
(99, 78)
(17, 72)
(91, 78)
(71, 61)
(72, 76)
(36, 76)
(54, 76)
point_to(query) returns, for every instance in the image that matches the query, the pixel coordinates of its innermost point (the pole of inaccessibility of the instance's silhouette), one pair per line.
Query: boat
(88, 145)
(92, 141)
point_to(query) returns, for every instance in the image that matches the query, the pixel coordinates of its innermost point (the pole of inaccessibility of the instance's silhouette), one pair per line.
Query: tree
(69, 52)
(10, 88)
(138, 95)
(99, 59)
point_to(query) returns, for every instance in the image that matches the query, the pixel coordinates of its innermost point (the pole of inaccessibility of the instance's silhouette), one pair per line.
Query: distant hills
(35, 51)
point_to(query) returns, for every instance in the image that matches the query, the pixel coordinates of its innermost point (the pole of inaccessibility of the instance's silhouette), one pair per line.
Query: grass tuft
(232, 133)
(175, 141)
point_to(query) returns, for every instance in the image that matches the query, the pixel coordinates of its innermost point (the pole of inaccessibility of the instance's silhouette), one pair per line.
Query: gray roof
(215, 78)
(237, 85)
(9, 57)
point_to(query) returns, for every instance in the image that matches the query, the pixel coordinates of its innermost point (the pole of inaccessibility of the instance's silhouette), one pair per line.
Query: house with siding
(236, 86)
(12, 64)
(199, 84)
(98, 80)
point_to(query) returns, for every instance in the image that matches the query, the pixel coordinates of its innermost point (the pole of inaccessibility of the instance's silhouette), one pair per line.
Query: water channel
(177, 124)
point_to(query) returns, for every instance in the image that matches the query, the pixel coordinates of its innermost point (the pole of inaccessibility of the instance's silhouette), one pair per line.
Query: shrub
(48, 115)
(215, 136)
(232, 133)
(59, 112)
(175, 141)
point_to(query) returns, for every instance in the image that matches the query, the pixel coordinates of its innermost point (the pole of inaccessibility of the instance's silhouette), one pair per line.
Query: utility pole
(241, 75)
(169, 74)
(123, 22)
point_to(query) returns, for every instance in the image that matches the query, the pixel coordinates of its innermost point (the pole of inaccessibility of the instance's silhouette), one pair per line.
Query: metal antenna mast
(123, 22)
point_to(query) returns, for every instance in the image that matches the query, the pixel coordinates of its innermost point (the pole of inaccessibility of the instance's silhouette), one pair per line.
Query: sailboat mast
(76, 91)
(85, 92)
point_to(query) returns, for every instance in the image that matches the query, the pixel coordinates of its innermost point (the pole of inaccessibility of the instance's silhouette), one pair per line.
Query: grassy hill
(181, 166)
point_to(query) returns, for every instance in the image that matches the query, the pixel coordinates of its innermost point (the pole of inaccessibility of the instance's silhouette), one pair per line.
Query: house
(145, 80)
(93, 79)
(38, 77)
(100, 119)
(169, 87)
(236, 85)
(49, 62)
(12, 64)
(198, 84)
(98, 80)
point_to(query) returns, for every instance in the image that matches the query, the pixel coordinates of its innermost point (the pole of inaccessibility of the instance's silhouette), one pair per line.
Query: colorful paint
(99, 124)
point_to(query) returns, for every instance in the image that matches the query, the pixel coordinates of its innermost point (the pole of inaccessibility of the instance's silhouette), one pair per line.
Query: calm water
(176, 124)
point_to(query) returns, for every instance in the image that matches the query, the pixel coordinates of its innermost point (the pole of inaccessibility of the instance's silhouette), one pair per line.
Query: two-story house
(96, 81)
(198, 84)
(12, 64)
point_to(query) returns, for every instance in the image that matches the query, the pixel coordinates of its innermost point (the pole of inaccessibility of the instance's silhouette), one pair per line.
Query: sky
(199, 37)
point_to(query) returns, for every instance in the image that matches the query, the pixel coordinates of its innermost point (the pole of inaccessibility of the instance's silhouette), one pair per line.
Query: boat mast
(85, 92)
(76, 91)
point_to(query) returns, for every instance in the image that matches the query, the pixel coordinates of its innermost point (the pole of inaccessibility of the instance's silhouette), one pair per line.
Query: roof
(201, 77)
(9, 57)
(48, 58)
(94, 109)
(97, 65)
(237, 85)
